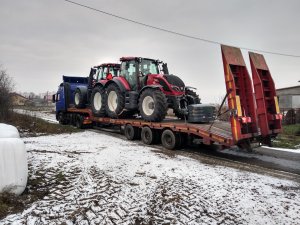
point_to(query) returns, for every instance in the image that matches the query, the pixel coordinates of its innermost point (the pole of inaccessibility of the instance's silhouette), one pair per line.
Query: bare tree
(6, 87)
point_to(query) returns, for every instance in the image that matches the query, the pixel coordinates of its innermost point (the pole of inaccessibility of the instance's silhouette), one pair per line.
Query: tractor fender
(98, 84)
(83, 90)
(158, 87)
(118, 83)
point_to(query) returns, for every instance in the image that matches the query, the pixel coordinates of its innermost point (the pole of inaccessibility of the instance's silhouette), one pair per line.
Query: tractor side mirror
(53, 98)
(165, 68)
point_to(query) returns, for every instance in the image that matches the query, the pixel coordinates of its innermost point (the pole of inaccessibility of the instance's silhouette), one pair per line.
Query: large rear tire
(115, 101)
(153, 105)
(98, 101)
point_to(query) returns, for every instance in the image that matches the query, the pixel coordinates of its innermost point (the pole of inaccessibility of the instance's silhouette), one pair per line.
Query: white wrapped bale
(8, 131)
(13, 165)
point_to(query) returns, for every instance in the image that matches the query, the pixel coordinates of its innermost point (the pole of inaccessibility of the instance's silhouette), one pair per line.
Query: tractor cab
(136, 70)
(103, 73)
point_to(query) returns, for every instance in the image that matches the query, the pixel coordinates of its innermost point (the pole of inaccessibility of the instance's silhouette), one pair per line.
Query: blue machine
(64, 97)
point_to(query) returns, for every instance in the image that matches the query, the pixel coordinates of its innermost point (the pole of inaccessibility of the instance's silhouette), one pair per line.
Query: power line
(177, 33)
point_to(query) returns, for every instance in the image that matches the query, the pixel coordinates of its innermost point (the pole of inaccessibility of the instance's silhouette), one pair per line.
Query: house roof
(286, 88)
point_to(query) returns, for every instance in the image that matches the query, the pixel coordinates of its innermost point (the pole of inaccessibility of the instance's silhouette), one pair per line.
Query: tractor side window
(114, 71)
(104, 73)
(128, 71)
(99, 74)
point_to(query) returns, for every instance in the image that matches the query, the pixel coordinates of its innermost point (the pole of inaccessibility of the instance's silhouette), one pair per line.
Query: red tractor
(93, 92)
(144, 86)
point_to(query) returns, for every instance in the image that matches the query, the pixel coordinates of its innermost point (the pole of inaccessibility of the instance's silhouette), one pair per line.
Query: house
(289, 97)
(18, 100)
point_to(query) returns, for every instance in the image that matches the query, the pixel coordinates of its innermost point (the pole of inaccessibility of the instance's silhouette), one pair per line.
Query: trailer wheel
(148, 136)
(170, 140)
(61, 119)
(131, 133)
(79, 121)
(182, 140)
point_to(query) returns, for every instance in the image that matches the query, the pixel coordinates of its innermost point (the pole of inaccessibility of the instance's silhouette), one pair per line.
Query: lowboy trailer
(254, 116)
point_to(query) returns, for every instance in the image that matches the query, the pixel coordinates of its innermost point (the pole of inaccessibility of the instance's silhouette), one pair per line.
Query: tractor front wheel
(153, 105)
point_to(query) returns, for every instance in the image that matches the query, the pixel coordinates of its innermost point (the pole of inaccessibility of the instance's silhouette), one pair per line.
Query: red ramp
(268, 113)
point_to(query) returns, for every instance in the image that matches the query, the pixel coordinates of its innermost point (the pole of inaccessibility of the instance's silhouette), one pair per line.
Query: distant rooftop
(280, 89)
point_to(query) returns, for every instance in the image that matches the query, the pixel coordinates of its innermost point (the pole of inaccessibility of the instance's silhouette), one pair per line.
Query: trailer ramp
(268, 113)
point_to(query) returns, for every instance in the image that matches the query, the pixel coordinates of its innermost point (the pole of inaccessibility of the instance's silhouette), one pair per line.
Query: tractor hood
(174, 80)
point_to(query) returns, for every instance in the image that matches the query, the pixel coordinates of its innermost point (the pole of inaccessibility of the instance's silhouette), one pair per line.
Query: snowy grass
(289, 138)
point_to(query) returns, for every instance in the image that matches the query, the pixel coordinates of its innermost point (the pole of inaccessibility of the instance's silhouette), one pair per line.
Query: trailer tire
(79, 122)
(79, 98)
(148, 136)
(61, 119)
(153, 105)
(170, 140)
(182, 140)
(98, 101)
(131, 133)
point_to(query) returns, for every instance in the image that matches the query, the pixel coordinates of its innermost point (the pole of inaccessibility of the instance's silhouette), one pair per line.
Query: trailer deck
(218, 131)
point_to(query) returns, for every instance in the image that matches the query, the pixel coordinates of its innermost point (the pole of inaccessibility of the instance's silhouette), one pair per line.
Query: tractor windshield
(148, 66)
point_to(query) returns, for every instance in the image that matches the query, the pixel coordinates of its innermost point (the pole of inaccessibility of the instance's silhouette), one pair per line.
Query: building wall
(289, 97)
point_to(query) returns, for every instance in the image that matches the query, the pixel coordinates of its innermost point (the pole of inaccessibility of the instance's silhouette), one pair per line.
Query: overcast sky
(41, 40)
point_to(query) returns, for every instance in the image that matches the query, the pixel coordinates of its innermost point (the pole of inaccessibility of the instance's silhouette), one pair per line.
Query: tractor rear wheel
(115, 101)
(153, 105)
(98, 101)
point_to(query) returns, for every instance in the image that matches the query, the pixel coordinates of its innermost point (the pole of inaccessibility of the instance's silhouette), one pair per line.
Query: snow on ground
(45, 115)
(108, 180)
(281, 161)
(284, 149)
